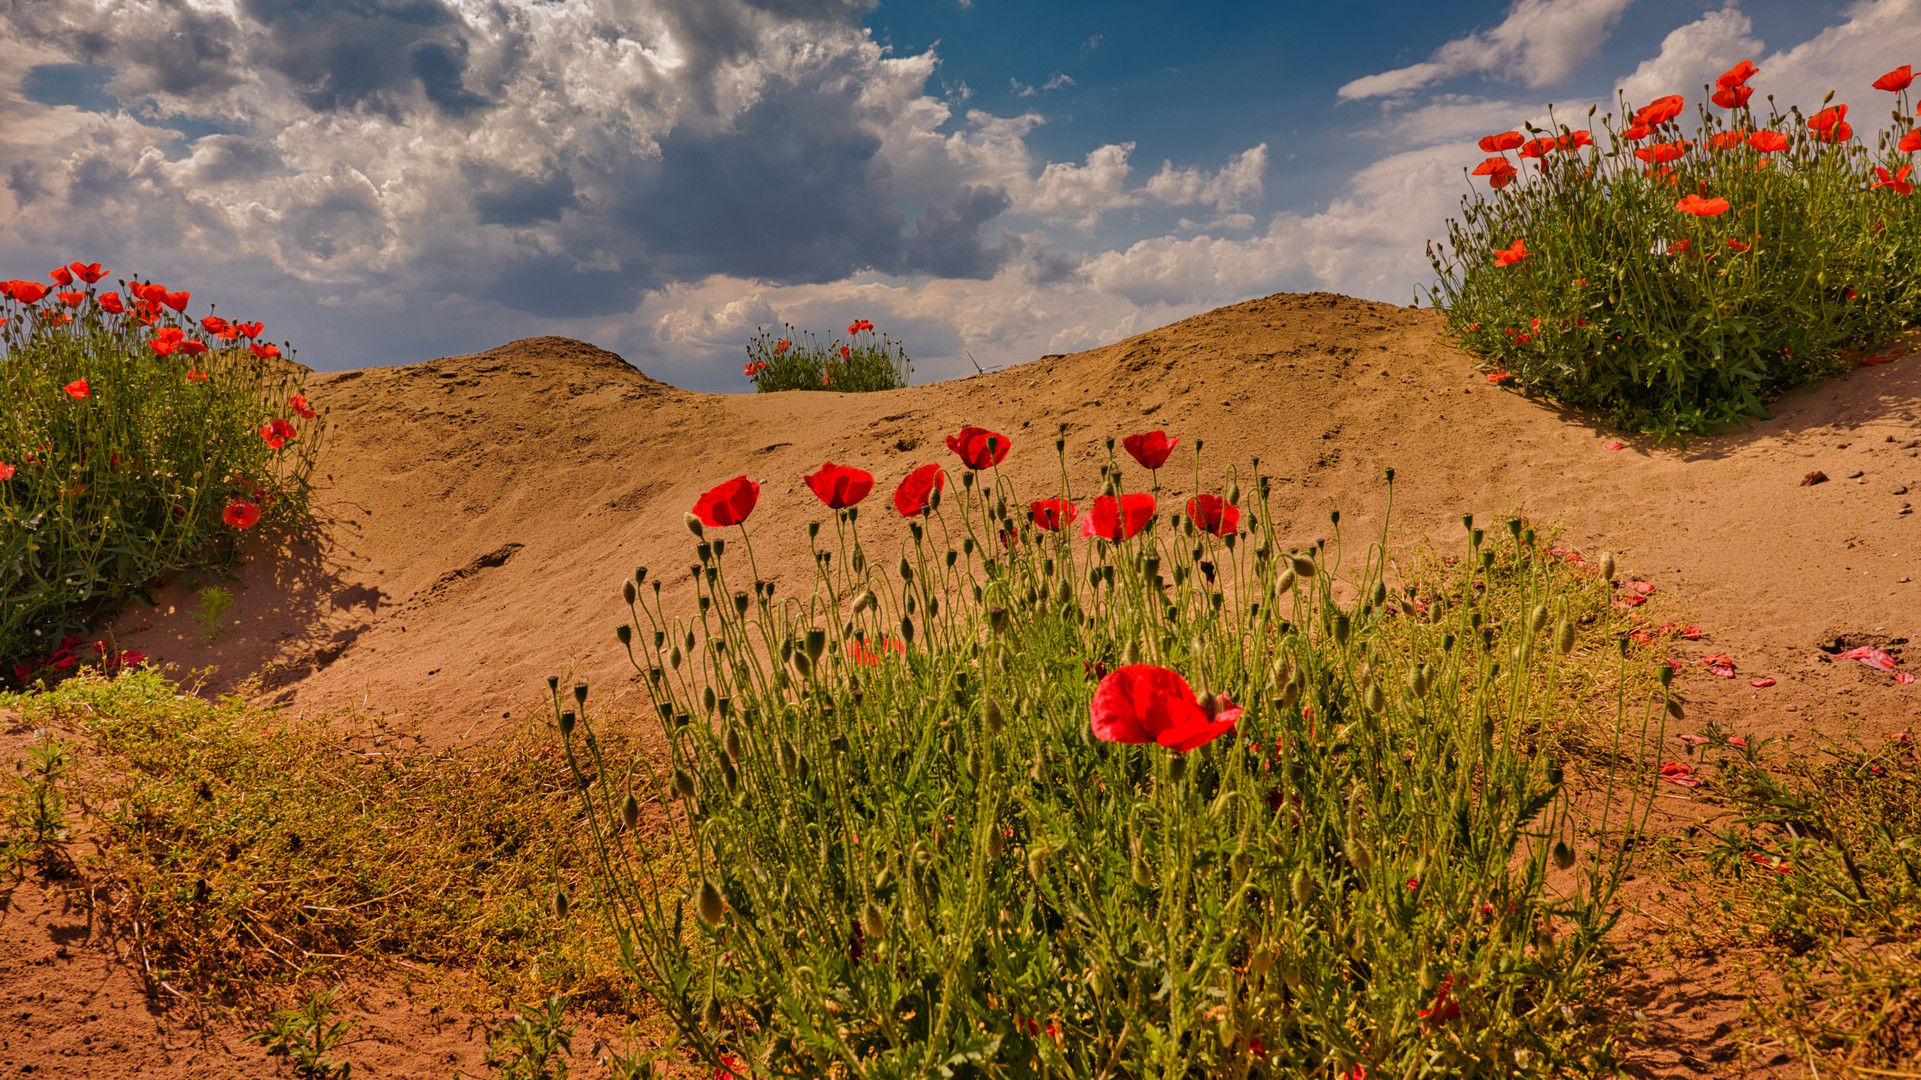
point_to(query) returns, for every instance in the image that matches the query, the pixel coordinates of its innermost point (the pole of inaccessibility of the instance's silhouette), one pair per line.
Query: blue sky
(387, 181)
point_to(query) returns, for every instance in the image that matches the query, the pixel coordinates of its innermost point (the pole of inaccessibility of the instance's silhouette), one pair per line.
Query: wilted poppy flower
(62, 275)
(1831, 124)
(110, 302)
(1213, 514)
(265, 352)
(29, 292)
(1142, 703)
(1679, 773)
(1510, 255)
(1535, 148)
(278, 433)
(298, 403)
(1660, 110)
(1699, 207)
(1662, 153)
(196, 376)
(728, 503)
(241, 514)
(6, 472)
(1117, 519)
(1737, 75)
(840, 486)
(77, 389)
(1053, 514)
(914, 493)
(1897, 80)
(1637, 132)
(1732, 97)
(1899, 181)
(857, 326)
(1768, 142)
(1506, 140)
(978, 448)
(1727, 140)
(1150, 449)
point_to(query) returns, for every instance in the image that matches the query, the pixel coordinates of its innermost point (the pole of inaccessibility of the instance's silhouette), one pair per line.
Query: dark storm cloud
(1051, 266)
(350, 54)
(949, 239)
(553, 285)
(513, 200)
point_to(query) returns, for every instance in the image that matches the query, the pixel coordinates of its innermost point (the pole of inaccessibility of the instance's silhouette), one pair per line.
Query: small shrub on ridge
(798, 362)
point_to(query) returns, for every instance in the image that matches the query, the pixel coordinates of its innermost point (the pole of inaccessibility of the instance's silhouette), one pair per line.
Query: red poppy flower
(6, 472)
(176, 300)
(196, 376)
(1660, 110)
(251, 329)
(1053, 514)
(110, 302)
(29, 292)
(1150, 449)
(728, 503)
(1512, 254)
(278, 433)
(1535, 148)
(917, 490)
(867, 657)
(1637, 132)
(1732, 97)
(1699, 207)
(241, 514)
(1213, 514)
(846, 353)
(62, 275)
(1679, 247)
(782, 346)
(214, 324)
(193, 348)
(1142, 703)
(1506, 140)
(87, 272)
(1768, 142)
(1445, 1008)
(1830, 125)
(979, 448)
(1910, 142)
(77, 389)
(1897, 80)
(298, 403)
(1737, 75)
(71, 299)
(1899, 181)
(1727, 140)
(1662, 153)
(166, 341)
(857, 326)
(1738, 247)
(1117, 519)
(265, 352)
(1574, 140)
(840, 486)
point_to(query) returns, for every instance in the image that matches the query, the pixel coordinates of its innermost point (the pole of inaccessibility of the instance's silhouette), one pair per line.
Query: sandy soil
(479, 513)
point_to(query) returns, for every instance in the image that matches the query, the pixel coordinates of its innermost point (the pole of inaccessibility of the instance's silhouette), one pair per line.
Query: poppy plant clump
(998, 789)
(797, 361)
(1679, 267)
(137, 442)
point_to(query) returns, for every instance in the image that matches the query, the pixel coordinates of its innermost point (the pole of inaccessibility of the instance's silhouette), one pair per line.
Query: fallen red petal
(1903, 677)
(1760, 684)
(1615, 446)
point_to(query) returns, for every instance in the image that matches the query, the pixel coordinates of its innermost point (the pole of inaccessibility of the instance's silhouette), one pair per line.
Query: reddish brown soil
(478, 514)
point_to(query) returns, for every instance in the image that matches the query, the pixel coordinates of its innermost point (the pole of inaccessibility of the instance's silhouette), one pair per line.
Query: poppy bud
(873, 922)
(995, 722)
(1301, 885)
(789, 758)
(1376, 700)
(560, 903)
(1343, 625)
(674, 657)
(624, 633)
(1132, 654)
(553, 684)
(709, 905)
(996, 843)
(967, 480)
(1334, 517)
(1286, 583)
(1303, 566)
(629, 811)
(707, 699)
(710, 1013)
(1564, 637)
(693, 524)
(1607, 566)
(1176, 769)
(566, 724)
(1036, 862)
(864, 600)
(1563, 855)
(802, 665)
(997, 618)
(1142, 875)
(683, 784)
(907, 628)
(1359, 855)
(628, 592)
(816, 644)
(1666, 674)
(1675, 710)
(1537, 618)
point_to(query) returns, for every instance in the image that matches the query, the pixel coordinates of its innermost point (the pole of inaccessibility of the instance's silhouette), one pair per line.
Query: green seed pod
(1665, 673)
(997, 619)
(740, 603)
(566, 724)
(1176, 768)
(706, 552)
(816, 644)
(1563, 855)
(624, 634)
(629, 811)
(709, 905)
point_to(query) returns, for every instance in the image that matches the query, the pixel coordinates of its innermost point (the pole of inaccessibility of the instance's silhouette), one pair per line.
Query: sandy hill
(478, 513)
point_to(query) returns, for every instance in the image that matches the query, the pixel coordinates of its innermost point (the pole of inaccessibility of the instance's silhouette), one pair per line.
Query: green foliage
(798, 361)
(255, 851)
(214, 602)
(901, 852)
(129, 482)
(305, 1035)
(535, 1045)
(1675, 324)
(39, 816)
